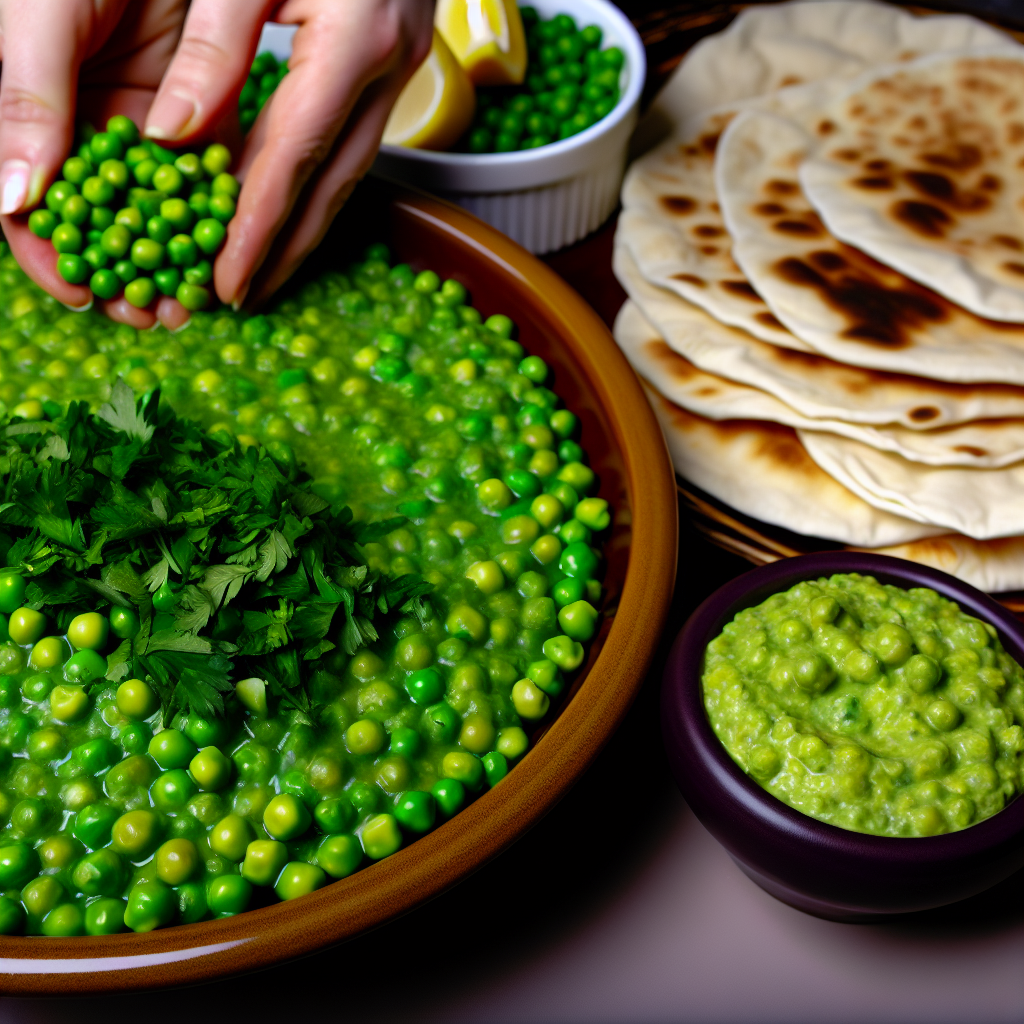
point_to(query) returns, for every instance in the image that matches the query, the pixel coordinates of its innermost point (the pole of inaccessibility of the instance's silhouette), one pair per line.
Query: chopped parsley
(233, 565)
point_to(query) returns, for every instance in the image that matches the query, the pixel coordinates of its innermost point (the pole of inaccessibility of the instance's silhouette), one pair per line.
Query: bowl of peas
(543, 161)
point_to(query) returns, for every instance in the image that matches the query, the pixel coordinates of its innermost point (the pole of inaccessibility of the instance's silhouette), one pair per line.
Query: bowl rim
(683, 705)
(189, 954)
(636, 63)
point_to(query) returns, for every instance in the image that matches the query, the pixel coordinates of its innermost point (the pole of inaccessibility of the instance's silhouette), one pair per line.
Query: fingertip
(121, 311)
(172, 314)
(36, 256)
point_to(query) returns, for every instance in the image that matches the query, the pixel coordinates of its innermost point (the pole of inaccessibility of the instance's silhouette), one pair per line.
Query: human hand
(317, 135)
(104, 57)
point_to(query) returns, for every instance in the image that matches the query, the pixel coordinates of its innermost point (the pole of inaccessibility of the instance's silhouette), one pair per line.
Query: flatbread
(812, 384)
(981, 503)
(672, 224)
(995, 566)
(922, 168)
(983, 444)
(762, 470)
(836, 298)
(773, 46)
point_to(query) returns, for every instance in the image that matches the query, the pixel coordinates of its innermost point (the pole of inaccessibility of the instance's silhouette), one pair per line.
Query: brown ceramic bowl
(627, 450)
(827, 871)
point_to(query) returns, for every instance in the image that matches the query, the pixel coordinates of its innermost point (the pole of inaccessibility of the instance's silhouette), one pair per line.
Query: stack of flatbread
(825, 267)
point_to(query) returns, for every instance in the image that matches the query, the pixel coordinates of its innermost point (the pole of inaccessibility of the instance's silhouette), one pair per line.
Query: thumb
(42, 44)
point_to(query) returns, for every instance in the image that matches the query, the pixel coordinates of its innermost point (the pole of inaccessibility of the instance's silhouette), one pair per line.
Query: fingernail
(169, 117)
(240, 298)
(14, 175)
(80, 309)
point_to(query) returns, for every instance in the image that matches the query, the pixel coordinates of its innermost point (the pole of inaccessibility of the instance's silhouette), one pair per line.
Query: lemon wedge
(486, 37)
(436, 105)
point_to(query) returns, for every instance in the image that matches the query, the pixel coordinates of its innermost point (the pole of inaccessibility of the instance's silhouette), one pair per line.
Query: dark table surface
(619, 906)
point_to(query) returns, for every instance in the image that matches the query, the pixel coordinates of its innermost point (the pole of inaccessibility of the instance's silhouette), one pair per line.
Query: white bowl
(550, 197)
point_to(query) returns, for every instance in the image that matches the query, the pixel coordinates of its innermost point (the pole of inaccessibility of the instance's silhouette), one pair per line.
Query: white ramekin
(550, 197)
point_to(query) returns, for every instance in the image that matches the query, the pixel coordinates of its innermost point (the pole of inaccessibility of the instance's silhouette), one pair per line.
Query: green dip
(870, 707)
(398, 398)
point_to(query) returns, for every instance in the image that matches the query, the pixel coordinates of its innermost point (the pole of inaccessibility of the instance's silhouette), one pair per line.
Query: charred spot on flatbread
(697, 282)
(741, 289)
(708, 231)
(925, 219)
(679, 206)
(923, 413)
(769, 320)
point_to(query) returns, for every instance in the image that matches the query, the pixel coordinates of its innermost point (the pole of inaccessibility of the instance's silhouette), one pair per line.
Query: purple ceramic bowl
(816, 867)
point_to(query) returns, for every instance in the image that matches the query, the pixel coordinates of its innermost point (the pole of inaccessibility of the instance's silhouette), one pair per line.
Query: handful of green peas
(264, 77)
(571, 83)
(129, 214)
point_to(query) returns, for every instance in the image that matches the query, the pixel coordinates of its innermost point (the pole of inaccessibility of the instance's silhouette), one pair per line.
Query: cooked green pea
(334, 815)
(286, 817)
(99, 873)
(216, 159)
(264, 861)
(225, 184)
(172, 790)
(192, 296)
(168, 179)
(209, 235)
(298, 879)
(230, 837)
(182, 250)
(105, 284)
(124, 622)
(57, 193)
(26, 625)
(68, 703)
(151, 904)
(228, 895)
(67, 239)
(42, 222)
(135, 699)
(88, 631)
(105, 917)
(339, 855)
(136, 833)
(167, 280)
(18, 863)
(85, 666)
(380, 836)
(93, 824)
(170, 749)
(190, 167)
(221, 207)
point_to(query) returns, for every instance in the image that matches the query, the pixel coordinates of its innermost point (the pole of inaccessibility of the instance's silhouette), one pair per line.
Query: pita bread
(922, 169)
(834, 297)
(812, 384)
(671, 222)
(982, 444)
(761, 469)
(995, 566)
(773, 46)
(980, 503)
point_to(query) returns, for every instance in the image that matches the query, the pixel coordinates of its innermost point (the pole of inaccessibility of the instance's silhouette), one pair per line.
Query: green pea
(216, 159)
(135, 155)
(67, 238)
(334, 815)
(131, 219)
(201, 273)
(579, 620)
(93, 824)
(58, 193)
(228, 895)
(12, 917)
(135, 833)
(30, 816)
(96, 755)
(42, 222)
(512, 742)
(167, 280)
(145, 171)
(380, 836)
(151, 904)
(225, 184)
(140, 292)
(546, 675)
(424, 686)
(182, 250)
(298, 879)
(85, 666)
(264, 861)
(199, 204)
(105, 284)
(450, 795)
(95, 256)
(66, 920)
(99, 873)
(115, 173)
(37, 687)
(124, 622)
(177, 213)
(209, 235)
(76, 170)
(105, 917)
(18, 863)
(173, 789)
(68, 703)
(415, 811)
(192, 296)
(339, 855)
(286, 817)
(75, 211)
(222, 207)
(190, 167)
(565, 652)
(170, 749)
(168, 179)
(495, 767)
(364, 737)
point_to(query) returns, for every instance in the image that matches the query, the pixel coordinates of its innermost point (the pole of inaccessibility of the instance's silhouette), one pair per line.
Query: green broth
(398, 399)
(870, 707)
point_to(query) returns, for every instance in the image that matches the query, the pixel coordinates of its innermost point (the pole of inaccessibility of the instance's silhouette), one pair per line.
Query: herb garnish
(233, 565)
